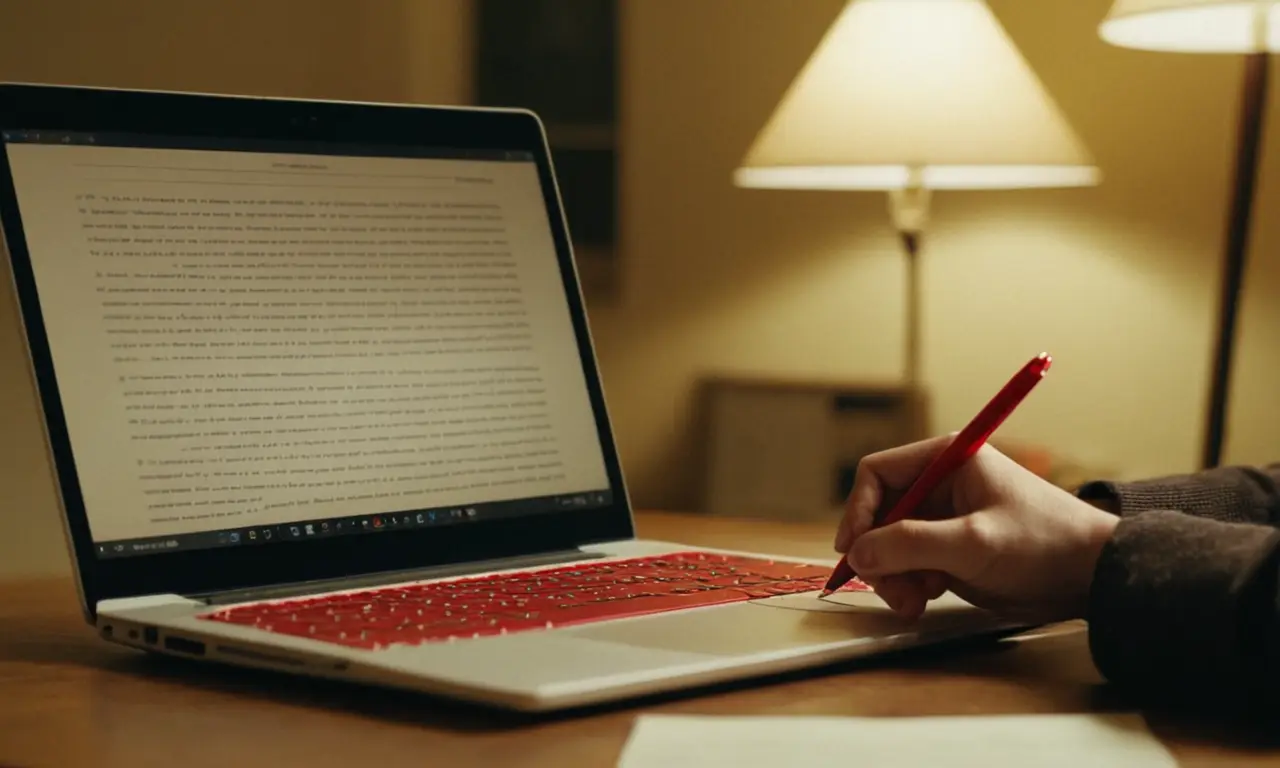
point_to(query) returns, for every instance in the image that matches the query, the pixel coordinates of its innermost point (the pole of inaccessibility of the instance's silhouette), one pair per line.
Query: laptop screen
(263, 342)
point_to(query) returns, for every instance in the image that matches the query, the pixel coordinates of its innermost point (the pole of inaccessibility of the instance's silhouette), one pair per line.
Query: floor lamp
(1215, 26)
(909, 97)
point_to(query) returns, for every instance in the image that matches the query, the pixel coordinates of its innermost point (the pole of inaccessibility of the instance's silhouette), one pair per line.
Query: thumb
(918, 545)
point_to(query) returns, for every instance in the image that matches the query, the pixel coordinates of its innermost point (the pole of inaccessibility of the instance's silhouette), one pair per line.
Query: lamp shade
(929, 93)
(1194, 26)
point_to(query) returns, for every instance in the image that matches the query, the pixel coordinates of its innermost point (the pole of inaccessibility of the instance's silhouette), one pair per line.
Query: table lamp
(911, 96)
(1215, 26)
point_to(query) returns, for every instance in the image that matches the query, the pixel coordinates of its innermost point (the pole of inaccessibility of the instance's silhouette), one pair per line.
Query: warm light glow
(879, 177)
(1194, 26)
(933, 90)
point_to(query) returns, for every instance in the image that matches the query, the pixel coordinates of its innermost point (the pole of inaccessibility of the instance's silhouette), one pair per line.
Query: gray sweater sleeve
(1185, 600)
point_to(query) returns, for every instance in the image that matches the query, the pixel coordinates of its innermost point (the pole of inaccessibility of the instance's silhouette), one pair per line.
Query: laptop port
(150, 636)
(183, 645)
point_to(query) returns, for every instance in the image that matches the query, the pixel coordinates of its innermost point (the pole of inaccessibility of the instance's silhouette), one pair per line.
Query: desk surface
(67, 698)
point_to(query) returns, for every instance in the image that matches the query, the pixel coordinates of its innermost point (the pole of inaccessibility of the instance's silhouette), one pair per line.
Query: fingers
(905, 593)
(901, 592)
(899, 467)
(934, 583)
(860, 508)
(908, 593)
(955, 547)
(878, 475)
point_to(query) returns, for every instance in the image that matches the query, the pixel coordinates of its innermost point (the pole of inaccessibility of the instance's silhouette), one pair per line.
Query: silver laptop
(320, 396)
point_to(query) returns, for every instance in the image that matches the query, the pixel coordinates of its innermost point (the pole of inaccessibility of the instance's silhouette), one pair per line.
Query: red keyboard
(530, 600)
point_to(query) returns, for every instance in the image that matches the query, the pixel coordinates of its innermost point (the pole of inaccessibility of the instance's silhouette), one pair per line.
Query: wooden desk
(68, 699)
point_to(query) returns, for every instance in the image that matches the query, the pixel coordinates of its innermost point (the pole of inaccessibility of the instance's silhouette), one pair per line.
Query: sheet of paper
(853, 602)
(1044, 741)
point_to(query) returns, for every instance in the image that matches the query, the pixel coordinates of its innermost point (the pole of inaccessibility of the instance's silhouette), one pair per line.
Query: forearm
(1230, 494)
(1189, 608)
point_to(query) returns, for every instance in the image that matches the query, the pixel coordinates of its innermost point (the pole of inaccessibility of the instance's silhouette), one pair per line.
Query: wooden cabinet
(789, 449)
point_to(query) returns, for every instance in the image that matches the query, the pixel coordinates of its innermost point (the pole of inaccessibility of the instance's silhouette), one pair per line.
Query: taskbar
(308, 530)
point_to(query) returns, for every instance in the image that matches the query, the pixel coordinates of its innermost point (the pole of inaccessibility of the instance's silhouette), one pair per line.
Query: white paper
(853, 602)
(1043, 741)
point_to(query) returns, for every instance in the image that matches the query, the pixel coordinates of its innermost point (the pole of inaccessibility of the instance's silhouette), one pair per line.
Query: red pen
(967, 443)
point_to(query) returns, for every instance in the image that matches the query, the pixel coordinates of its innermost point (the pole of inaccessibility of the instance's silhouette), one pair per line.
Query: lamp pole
(1248, 143)
(911, 247)
(909, 207)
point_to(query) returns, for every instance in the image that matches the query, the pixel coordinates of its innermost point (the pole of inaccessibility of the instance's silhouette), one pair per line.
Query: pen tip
(825, 592)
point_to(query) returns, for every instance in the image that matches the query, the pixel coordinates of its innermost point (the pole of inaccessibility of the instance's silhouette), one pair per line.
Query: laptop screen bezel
(93, 110)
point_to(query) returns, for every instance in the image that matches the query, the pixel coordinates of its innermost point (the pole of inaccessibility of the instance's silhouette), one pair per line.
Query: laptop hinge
(320, 586)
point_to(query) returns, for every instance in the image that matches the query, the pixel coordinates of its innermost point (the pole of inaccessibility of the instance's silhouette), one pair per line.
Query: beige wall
(1118, 282)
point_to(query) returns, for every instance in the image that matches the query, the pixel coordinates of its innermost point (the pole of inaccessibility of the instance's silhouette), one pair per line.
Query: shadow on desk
(70, 698)
(411, 706)
(843, 686)
(57, 644)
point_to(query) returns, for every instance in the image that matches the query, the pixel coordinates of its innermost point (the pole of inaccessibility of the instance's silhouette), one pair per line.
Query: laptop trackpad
(783, 622)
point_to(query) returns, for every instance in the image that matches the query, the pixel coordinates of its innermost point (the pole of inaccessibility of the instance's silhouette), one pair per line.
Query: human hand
(993, 533)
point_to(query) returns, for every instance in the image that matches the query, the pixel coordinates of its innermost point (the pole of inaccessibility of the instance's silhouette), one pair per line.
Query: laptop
(320, 397)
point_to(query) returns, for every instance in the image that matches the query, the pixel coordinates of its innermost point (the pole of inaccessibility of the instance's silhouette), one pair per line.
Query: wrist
(1098, 525)
(1108, 505)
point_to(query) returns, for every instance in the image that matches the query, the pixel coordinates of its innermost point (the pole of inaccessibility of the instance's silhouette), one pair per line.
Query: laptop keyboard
(531, 600)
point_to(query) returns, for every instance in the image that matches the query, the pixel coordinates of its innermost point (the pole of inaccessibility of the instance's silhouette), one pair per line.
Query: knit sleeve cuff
(1167, 603)
(1227, 494)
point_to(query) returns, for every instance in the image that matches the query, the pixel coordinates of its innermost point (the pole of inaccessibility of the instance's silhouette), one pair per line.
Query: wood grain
(68, 699)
